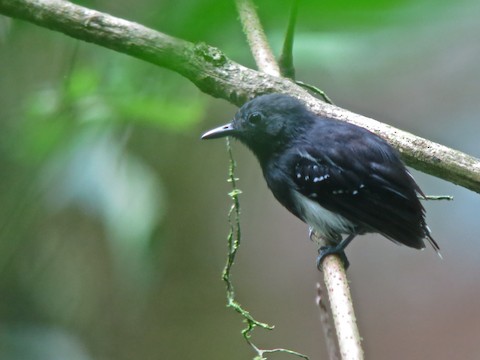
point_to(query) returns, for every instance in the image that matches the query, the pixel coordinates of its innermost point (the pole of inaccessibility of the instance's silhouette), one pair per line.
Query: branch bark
(336, 282)
(213, 73)
(256, 38)
(328, 326)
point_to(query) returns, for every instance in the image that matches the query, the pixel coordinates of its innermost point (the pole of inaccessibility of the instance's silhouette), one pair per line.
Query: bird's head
(266, 123)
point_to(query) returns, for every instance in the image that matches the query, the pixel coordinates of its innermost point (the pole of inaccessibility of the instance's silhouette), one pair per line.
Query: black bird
(338, 178)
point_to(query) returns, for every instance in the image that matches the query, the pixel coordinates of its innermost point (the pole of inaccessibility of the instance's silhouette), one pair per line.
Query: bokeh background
(113, 213)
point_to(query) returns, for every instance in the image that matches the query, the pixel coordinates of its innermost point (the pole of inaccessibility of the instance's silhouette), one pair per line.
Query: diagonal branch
(212, 72)
(256, 38)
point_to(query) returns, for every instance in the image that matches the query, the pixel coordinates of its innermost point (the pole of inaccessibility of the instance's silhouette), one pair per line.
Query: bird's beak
(221, 131)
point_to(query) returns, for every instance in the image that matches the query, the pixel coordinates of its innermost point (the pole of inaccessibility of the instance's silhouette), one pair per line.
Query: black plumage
(339, 178)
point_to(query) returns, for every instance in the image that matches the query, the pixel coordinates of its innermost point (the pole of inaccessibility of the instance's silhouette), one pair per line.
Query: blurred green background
(113, 212)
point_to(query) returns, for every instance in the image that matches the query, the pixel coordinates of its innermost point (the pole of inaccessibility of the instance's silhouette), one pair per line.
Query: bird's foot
(338, 250)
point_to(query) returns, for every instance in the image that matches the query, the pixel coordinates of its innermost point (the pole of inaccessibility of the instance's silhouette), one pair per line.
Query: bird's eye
(254, 118)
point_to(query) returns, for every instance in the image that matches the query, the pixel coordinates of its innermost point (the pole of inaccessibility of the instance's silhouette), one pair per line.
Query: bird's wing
(366, 184)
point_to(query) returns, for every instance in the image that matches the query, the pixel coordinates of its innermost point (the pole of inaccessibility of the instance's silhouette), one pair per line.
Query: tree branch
(211, 71)
(328, 326)
(336, 282)
(256, 38)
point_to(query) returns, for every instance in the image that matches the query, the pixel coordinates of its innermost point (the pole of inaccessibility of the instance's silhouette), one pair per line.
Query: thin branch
(336, 282)
(437, 197)
(286, 59)
(344, 320)
(327, 325)
(315, 90)
(234, 240)
(212, 72)
(256, 38)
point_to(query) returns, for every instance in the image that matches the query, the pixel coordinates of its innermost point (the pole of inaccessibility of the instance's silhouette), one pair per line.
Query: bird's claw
(324, 251)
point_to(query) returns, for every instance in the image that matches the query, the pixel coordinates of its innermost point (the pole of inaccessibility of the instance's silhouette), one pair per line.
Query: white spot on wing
(320, 178)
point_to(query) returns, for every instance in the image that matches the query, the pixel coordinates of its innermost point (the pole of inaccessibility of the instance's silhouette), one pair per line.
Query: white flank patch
(322, 220)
